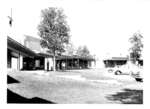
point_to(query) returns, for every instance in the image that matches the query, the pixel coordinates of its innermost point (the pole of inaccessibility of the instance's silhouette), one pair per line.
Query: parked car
(138, 75)
(124, 69)
(117, 70)
(133, 70)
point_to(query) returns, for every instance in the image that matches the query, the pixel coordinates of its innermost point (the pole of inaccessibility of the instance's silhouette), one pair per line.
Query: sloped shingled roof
(17, 47)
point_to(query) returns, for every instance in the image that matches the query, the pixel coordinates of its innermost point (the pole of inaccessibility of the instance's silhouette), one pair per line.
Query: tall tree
(83, 51)
(54, 31)
(70, 49)
(137, 46)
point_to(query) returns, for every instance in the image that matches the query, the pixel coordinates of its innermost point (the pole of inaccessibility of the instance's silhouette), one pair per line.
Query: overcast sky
(103, 25)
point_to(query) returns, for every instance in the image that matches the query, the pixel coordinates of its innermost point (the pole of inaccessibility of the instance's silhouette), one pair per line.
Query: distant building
(115, 61)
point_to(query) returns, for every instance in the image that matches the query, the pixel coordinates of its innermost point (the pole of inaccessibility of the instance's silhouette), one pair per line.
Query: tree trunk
(54, 63)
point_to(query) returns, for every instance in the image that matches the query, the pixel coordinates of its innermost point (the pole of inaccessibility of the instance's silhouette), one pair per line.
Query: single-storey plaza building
(31, 56)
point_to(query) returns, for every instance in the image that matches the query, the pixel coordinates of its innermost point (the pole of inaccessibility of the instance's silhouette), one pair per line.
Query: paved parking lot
(77, 86)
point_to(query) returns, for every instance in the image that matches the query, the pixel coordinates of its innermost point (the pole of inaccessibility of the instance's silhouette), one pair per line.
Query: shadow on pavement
(11, 80)
(15, 98)
(128, 96)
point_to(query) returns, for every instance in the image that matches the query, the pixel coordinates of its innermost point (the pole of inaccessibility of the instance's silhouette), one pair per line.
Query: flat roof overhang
(19, 48)
(117, 59)
(74, 57)
(46, 55)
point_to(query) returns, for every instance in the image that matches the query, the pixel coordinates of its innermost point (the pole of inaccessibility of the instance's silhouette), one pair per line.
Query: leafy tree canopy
(53, 30)
(83, 51)
(70, 50)
(137, 46)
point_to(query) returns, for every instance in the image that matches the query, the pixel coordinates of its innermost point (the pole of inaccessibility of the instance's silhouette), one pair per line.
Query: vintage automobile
(117, 70)
(138, 75)
(133, 70)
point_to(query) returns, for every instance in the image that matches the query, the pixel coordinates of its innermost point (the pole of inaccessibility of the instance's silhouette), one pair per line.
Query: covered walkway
(74, 62)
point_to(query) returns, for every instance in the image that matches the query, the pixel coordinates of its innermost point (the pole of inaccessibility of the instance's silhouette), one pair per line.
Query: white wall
(14, 63)
(50, 61)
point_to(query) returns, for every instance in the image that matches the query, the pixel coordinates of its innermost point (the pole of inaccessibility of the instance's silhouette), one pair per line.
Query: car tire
(139, 79)
(110, 70)
(118, 72)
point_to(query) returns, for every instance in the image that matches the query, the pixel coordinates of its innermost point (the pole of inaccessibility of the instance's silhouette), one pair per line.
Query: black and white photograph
(75, 51)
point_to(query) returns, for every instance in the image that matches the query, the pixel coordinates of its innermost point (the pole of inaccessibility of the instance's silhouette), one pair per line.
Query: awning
(19, 48)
